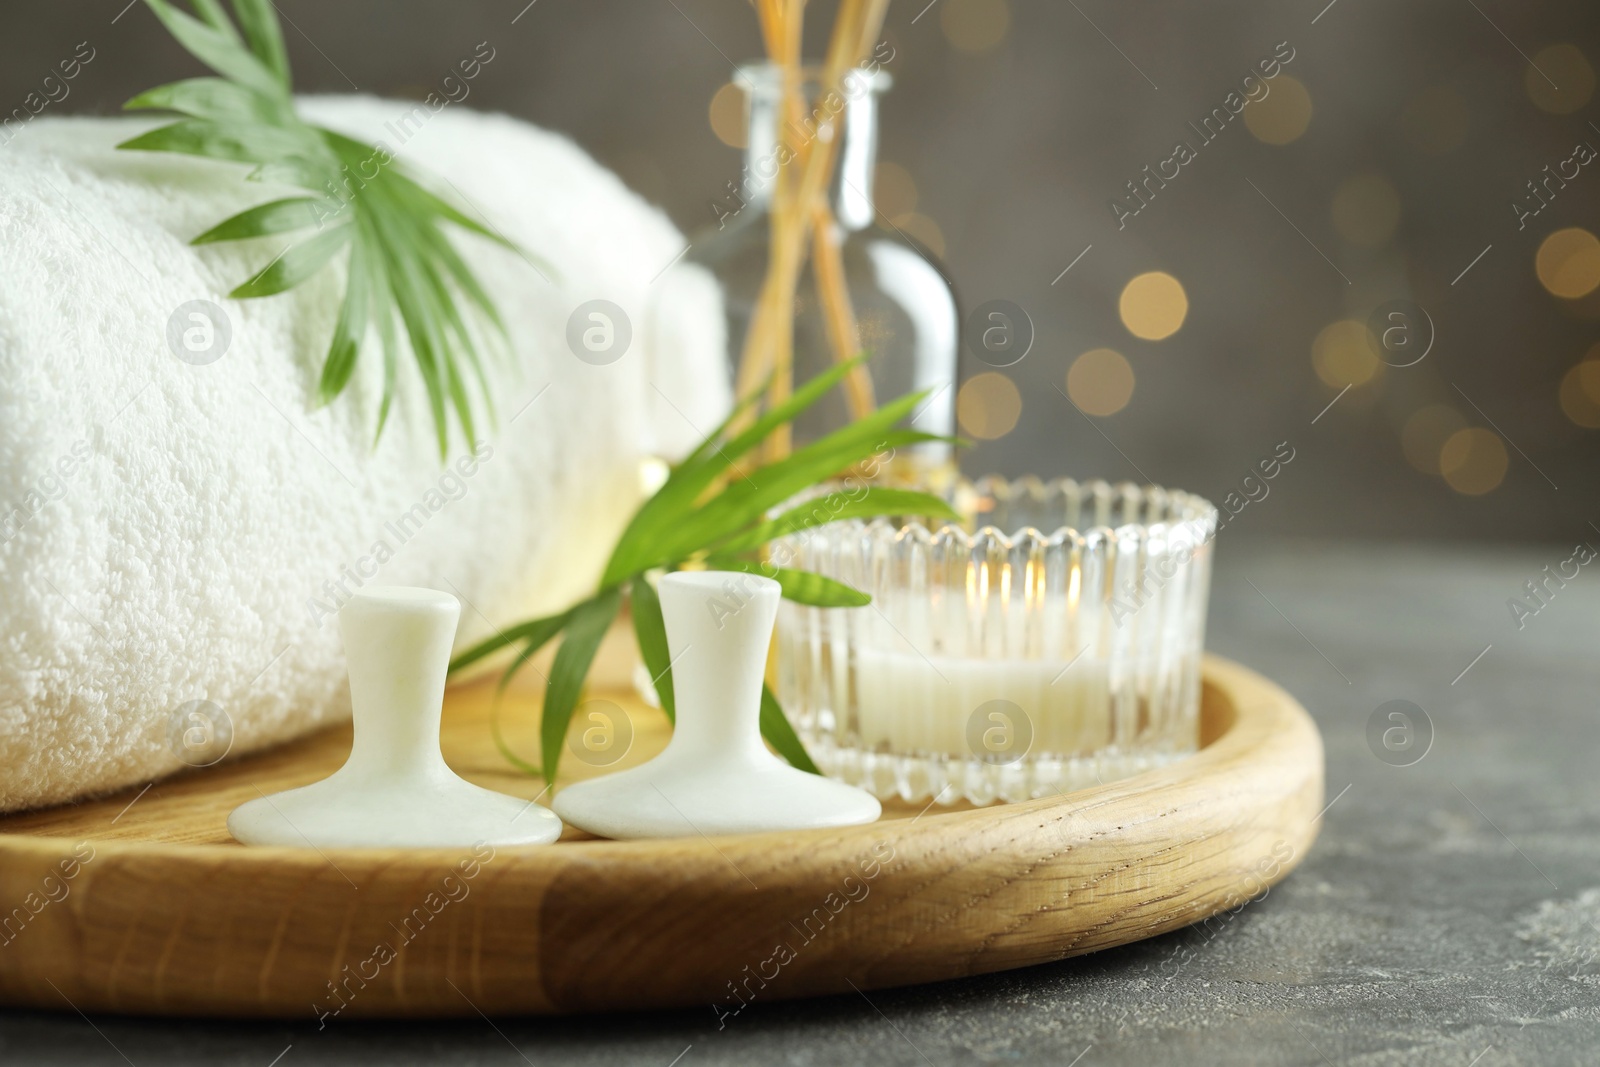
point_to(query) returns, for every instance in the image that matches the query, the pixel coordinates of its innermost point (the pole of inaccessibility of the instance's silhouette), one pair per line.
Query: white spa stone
(395, 790)
(715, 775)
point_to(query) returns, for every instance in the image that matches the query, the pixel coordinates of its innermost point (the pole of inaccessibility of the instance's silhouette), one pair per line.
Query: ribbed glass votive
(1052, 643)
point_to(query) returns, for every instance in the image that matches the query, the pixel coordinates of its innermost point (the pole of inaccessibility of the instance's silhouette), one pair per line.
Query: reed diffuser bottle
(860, 285)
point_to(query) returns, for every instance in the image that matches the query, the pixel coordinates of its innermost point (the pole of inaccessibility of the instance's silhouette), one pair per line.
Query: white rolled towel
(176, 531)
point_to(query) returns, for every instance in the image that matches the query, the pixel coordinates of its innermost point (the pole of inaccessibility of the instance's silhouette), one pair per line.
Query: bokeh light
(1342, 354)
(1425, 433)
(975, 25)
(1567, 67)
(988, 406)
(922, 229)
(1580, 391)
(1568, 263)
(727, 113)
(1100, 381)
(1366, 210)
(894, 191)
(1283, 115)
(1435, 120)
(1153, 305)
(1473, 461)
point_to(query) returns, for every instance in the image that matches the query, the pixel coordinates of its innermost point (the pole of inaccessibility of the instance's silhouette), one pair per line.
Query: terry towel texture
(175, 531)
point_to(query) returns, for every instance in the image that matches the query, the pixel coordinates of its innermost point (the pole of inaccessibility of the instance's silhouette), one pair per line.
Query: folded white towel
(174, 531)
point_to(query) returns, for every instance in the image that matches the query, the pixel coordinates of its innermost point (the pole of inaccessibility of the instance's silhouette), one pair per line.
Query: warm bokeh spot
(1100, 381)
(1366, 209)
(922, 229)
(1283, 116)
(1565, 65)
(1580, 391)
(975, 25)
(1435, 120)
(1153, 305)
(1425, 433)
(1568, 263)
(727, 114)
(894, 191)
(988, 406)
(1342, 354)
(1473, 461)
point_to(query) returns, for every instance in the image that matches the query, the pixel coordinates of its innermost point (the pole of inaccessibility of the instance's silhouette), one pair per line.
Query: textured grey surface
(1449, 913)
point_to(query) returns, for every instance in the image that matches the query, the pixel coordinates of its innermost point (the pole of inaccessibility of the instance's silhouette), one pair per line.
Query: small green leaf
(308, 170)
(802, 587)
(801, 399)
(714, 438)
(221, 51)
(384, 314)
(405, 273)
(743, 501)
(259, 21)
(351, 328)
(746, 502)
(211, 13)
(233, 142)
(638, 547)
(529, 650)
(276, 216)
(297, 263)
(780, 735)
(499, 739)
(650, 629)
(215, 99)
(431, 204)
(859, 503)
(578, 647)
(408, 302)
(536, 632)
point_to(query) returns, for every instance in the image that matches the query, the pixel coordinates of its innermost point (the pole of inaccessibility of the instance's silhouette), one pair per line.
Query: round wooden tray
(140, 902)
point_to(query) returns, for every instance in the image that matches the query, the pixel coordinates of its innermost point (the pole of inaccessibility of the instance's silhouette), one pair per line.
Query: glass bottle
(904, 305)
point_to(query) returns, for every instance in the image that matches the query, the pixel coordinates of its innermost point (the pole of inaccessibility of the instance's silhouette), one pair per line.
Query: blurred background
(1439, 153)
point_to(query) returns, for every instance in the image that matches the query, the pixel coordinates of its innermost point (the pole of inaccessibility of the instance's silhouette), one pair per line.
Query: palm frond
(402, 268)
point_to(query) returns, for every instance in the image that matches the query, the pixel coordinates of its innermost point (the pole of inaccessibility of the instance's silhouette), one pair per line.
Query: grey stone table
(1449, 913)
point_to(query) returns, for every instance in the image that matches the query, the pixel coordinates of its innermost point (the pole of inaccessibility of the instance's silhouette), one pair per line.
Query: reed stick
(800, 216)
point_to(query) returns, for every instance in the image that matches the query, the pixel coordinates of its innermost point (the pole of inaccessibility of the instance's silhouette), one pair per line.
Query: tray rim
(573, 907)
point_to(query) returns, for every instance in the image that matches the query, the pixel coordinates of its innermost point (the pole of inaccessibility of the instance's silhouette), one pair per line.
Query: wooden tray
(163, 914)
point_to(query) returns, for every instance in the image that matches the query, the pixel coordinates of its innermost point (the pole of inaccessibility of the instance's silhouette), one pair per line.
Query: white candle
(993, 665)
(995, 710)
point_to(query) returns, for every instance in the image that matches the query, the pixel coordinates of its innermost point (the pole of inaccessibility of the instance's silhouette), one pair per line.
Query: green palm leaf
(650, 630)
(584, 633)
(676, 527)
(775, 727)
(802, 587)
(275, 216)
(403, 267)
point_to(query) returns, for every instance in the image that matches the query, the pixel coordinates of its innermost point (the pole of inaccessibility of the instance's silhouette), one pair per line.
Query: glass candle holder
(1051, 641)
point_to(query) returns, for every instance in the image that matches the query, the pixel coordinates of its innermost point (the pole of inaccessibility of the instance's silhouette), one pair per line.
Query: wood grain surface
(141, 903)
